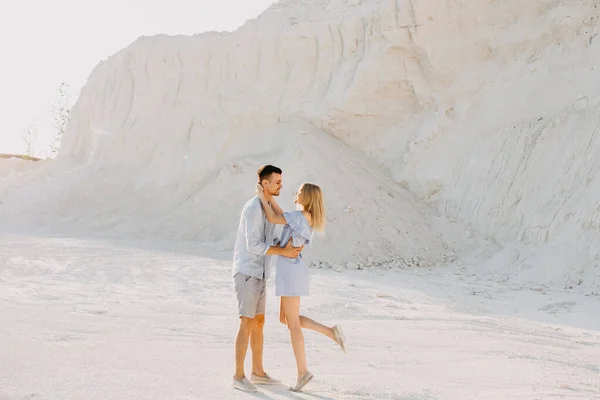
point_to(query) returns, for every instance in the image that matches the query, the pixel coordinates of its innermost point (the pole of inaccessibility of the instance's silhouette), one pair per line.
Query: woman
(292, 280)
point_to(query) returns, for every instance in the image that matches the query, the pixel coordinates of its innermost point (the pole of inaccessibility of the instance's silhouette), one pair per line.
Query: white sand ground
(102, 319)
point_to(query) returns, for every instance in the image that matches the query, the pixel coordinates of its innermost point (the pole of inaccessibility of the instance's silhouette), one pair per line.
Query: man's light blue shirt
(254, 237)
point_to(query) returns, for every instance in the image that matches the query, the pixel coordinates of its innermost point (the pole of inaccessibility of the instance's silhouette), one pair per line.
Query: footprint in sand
(557, 308)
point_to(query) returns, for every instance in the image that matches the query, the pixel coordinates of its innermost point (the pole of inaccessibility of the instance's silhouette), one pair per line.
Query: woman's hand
(259, 191)
(271, 216)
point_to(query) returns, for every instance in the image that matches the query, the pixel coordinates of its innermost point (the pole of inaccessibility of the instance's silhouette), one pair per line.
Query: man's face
(273, 184)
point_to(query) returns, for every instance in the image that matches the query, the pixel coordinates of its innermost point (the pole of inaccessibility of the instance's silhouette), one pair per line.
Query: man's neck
(268, 197)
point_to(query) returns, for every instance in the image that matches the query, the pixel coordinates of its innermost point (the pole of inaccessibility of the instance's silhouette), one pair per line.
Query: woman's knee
(293, 323)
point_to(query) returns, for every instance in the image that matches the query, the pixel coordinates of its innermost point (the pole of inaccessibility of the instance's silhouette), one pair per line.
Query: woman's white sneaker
(339, 337)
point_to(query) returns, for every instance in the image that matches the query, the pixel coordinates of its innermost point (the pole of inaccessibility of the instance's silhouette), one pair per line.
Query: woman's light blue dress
(292, 277)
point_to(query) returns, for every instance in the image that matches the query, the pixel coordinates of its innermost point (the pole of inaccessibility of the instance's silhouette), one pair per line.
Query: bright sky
(44, 43)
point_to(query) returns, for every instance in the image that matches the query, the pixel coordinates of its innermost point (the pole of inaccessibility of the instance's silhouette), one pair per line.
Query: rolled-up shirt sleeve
(253, 229)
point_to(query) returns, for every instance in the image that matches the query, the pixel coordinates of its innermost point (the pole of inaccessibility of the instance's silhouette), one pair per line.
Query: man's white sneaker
(244, 385)
(264, 380)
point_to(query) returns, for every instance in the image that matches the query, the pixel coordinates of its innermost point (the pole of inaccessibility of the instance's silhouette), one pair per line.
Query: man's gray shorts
(251, 295)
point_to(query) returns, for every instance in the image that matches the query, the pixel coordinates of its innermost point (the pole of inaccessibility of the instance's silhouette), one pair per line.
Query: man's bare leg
(256, 344)
(241, 346)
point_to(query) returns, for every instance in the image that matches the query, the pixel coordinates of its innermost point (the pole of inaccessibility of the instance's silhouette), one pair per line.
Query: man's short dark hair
(266, 171)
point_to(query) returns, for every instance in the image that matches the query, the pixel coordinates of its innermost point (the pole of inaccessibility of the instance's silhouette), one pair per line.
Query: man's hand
(290, 251)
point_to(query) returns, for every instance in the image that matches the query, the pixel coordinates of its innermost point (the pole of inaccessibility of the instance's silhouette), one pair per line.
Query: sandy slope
(371, 220)
(486, 110)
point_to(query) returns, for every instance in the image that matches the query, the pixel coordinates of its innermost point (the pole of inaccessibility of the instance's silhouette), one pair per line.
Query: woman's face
(298, 196)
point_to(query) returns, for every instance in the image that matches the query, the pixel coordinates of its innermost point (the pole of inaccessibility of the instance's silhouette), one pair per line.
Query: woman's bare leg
(313, 325)
(291, 309)
(308, 323)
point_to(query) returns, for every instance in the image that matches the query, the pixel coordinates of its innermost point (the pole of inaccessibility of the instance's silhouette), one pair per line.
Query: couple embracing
(254, 247)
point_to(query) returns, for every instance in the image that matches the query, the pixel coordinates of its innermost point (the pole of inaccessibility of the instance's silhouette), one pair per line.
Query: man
(251, 259)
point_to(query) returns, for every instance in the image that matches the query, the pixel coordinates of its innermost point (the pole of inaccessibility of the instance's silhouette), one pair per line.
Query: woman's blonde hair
(312, 202)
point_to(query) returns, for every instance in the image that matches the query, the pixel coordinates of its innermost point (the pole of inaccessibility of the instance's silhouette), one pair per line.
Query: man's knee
(246, 323)
(259, 321)
(282, 319)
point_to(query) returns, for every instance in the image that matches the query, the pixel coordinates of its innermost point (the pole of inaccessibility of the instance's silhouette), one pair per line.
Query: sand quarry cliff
(439, 131)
